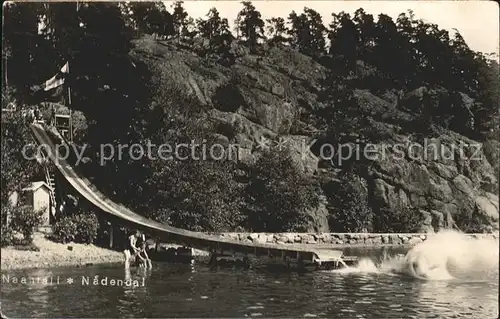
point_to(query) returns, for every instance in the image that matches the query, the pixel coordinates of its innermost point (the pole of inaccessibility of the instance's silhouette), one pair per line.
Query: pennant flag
(52, 90)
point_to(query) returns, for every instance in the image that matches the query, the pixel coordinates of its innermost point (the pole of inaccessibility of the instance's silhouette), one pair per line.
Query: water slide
(46, 136)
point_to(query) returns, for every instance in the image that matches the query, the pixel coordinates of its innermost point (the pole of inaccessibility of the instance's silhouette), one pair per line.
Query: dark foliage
(403, 220)
(348, 205)
(278, 194)
(79, 228)
(26, 221)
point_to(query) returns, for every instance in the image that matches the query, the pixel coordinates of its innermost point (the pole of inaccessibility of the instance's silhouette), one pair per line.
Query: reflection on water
(174, 290)
(177, 290)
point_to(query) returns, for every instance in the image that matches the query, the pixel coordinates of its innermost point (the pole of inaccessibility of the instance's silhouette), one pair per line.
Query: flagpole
(70, 119)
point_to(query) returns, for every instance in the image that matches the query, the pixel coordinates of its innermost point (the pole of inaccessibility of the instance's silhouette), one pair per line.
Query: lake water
(181, 290)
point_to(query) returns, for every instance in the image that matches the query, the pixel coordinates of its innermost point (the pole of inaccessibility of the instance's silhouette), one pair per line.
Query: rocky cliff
(268, 96)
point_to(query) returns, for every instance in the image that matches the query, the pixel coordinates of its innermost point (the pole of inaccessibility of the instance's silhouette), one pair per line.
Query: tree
(180, 18)
(365, 25)
(200, 196)
(189, 30)
(317, 31)
(408, 53)
(215, 29)
(22, 46)
(487, 117)
(278, 194)
(307, 32)
(276, 28)
(16, 169)
(386, 51)
(151, 17)
(105, 83)
(348, 205)
(250, 25)
(340, 118)
(298, 32)
(343, 37)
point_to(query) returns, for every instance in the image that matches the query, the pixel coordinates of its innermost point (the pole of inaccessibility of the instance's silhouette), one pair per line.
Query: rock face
(266, 96)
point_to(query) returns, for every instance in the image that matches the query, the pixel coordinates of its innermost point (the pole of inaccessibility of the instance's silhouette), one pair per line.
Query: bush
(64, 230)
(81, 228)
(279, 195)
(348, 205)
(404, 220)
(6, 234)
(87, 228)
(25, 220)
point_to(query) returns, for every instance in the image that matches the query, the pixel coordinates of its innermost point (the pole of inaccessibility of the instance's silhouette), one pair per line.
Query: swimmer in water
(143, 255)
(131, 249)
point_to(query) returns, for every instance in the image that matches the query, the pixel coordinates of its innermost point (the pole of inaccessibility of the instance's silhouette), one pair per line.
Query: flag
(58, 79)
(52, 90)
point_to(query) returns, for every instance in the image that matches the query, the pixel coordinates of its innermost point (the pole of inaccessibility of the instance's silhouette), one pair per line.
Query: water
(422, 284)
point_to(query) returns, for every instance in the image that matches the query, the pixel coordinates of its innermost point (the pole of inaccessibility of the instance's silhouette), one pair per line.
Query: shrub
(25, 220)
(64, 230)
(6, 234)
(87, 228)
(279, 194)
(348, 205)
(81, 228)
(403, 220)
(6, 231)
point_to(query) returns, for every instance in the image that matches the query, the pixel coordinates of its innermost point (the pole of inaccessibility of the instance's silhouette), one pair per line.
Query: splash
(444, 256)
(450, 254)
(365, 265)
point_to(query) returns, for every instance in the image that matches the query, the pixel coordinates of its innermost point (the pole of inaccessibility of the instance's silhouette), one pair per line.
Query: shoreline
(56, 255)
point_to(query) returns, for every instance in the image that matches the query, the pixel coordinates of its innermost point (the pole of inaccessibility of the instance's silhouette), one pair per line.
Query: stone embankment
(341, 239)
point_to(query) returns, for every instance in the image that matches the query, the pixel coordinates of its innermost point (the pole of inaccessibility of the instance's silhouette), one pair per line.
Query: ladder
(50, 179)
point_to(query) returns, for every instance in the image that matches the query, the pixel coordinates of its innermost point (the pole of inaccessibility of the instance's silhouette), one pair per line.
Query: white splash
(443, 256)
(450, 254)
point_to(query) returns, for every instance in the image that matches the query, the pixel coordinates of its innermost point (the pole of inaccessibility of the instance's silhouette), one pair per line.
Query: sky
(477, 21)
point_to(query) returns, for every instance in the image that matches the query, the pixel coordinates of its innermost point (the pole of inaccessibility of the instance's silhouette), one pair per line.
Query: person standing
(131, 248)
(53, 115)
(38, 114)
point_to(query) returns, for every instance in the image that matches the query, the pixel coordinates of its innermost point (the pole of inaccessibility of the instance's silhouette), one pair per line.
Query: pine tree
(250, 25)
(343, 37)
(276, 28)
(23, 46)
(307, 32)
(150, 17)
(215, 29)
(407, 51)
(317, 31)
(365, 25)
(180, 17)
